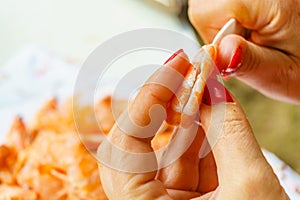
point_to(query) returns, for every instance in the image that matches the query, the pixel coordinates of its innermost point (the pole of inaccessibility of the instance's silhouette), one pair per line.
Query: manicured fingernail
(215, 93)
(234, 64)
(174, 55)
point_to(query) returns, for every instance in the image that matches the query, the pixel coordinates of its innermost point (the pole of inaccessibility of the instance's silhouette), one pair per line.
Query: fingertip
(173, 56)
(215, 93)
(230, 54)
(179, 61)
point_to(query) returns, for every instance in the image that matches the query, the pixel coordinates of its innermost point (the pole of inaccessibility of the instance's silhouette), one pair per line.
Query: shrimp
(185, 103)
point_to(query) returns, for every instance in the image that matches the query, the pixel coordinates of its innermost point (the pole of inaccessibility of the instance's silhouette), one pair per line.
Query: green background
(276, 124)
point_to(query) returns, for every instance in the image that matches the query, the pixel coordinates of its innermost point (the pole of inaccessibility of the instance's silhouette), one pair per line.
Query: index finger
(128, 161)
(160, 88)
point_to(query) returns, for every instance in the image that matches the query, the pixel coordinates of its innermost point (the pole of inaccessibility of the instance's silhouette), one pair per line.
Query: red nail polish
(174, 55)
(215, 93)
(234, 64)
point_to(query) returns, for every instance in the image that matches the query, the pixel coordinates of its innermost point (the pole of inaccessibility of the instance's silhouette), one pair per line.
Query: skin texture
(235, 169)
(270, 55)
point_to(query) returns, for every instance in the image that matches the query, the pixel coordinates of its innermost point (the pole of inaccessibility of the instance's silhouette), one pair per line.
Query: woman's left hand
(234, 169)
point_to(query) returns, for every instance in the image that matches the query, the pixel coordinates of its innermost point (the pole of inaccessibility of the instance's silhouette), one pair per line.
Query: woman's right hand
(269, 60)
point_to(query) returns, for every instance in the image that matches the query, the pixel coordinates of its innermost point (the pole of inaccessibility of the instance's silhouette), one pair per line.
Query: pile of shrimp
(47, 160)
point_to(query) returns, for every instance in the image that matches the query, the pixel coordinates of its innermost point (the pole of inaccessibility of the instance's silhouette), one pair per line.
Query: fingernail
(234, 64)
(174, 55)
(215, 93)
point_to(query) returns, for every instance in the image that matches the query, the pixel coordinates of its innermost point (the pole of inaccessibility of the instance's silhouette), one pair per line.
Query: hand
(235, 169)
(269, 60)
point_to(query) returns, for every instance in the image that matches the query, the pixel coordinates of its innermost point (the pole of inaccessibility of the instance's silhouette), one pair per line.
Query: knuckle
(235, 126)
(195, 12)
(235, 121)
(192, 15)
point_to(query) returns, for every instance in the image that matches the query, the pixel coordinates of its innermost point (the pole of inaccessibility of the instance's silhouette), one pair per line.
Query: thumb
(235, 148)
(270, 71)
(239, 159)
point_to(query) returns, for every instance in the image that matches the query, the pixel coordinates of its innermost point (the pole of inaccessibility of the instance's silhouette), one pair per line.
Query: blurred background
(75, 28)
